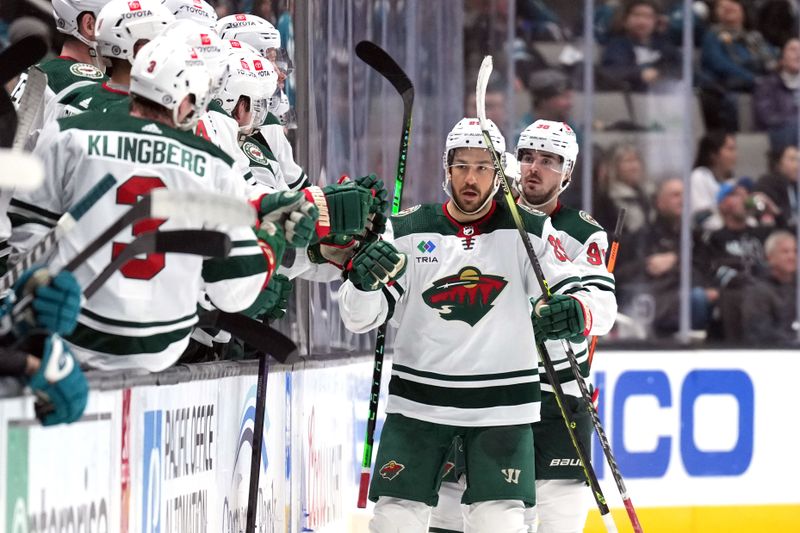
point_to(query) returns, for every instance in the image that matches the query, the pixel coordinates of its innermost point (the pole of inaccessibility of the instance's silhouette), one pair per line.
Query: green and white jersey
(463, 351)
(94, 97)
(222, 130)
(272, 135)
(64, 74)
(584, 243)
(144, 313)
(266, 172)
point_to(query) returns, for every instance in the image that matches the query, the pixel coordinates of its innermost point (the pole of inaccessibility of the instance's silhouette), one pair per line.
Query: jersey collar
(476, 222)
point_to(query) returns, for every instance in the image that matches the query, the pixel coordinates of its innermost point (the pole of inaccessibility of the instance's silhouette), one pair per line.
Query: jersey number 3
(129, 193)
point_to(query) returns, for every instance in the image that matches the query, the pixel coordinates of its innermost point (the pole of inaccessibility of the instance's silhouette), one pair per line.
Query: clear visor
(259, 108)
(542, 160)
(280, 58)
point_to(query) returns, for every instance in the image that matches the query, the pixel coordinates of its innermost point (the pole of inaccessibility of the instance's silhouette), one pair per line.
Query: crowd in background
(746, 76)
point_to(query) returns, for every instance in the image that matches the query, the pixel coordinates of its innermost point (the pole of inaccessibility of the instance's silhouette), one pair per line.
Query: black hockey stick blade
(196, 242)
(8, 119)
(258, 335)
(19, 56)
(377, 58)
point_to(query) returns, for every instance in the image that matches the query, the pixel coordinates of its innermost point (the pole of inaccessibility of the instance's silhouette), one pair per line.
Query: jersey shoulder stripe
(272, 120)
(63, 72)
(214, 105)
(116, 123)
(93, 97)
(576, 223)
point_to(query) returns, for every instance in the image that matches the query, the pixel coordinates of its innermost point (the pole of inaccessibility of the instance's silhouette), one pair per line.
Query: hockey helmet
(252, 76)
(555, 138)
(207, 44)
(166, 71)
(67, 12)
(198, 11)
(122, 23)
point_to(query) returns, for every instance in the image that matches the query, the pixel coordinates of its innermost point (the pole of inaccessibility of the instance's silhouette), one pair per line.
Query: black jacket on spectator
(784, 193)
(729, 253)
(774, 104)
(768, 313)
(620, 62)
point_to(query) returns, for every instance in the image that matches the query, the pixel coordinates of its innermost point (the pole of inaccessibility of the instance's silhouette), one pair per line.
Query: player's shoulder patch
(85, 70)
(407, 211)
(589, 218)
(254, 153)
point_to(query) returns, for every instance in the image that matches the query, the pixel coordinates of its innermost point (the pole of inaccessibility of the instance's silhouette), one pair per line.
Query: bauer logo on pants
(391, 470)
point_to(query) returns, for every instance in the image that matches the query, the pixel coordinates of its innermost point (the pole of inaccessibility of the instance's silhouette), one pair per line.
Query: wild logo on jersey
(466, 296)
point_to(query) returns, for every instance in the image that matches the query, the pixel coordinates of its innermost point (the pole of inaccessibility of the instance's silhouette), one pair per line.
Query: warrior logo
(466, 296)
(391, 470)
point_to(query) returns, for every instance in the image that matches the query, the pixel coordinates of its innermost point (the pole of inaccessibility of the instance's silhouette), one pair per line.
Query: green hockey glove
(377, 264)
(293, 212)
(337, 250)
(348, 207)
(272, 243)
(273, 300)
(380, 196)
(562, 317)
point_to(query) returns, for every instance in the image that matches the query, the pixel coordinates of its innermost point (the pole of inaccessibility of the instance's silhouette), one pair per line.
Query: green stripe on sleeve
(92, 339)
(240, 266)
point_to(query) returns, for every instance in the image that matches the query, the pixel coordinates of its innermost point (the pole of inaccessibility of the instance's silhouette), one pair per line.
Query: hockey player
(263, 36)
(456, 283)
(547, 152)
(77, 65)
(198, 11)
(143, 315)
(122, 28)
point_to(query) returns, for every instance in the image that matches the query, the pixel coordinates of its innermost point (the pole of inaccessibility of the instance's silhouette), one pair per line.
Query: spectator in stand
(715, 162)
(780, 185)
(775, 98)
(552, 98)
(636, 53)
(732, 57)
(628, 186)
(770, 313)
(659, 245)
(777, 21)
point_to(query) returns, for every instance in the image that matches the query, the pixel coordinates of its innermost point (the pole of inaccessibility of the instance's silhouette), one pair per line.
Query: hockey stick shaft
(591, 477)
(63, 226)
(382, 62)
(258, 439)
(612, 262)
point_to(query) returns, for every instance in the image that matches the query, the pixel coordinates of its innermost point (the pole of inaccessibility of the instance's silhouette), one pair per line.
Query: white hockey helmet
(165, 72)
(198, 11)
(251, 76)
(67, 12)
(258, 33)
(467, 133)
(555, 138)
(122, 23)
(207, 44)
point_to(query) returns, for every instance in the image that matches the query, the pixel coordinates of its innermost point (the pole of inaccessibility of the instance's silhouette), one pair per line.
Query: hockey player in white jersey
(547, 152)
(143, 315)
(266, 39)
(456, 282)
(76, 65)
(198, 11)
(122, 28)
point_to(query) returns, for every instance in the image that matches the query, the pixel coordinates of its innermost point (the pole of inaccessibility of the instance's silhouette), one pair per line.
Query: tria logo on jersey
(391, 470)
(426, 247)
(466, 296)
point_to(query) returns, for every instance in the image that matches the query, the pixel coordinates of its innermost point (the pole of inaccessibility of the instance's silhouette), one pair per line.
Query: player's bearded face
(472, 178)
(540, 182)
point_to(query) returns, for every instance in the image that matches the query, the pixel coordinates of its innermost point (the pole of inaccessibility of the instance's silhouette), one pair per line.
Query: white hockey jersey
(584, 242)
(273, 136)
(222, 130)
(463, 351)
(142, 316)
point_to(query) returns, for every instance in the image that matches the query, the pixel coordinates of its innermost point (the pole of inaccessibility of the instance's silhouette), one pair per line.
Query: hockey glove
(273, 300)
(337, 250)
(377, 264)
(272, 243)
(380, 196)
(56, 302)
(59, 385)
(294, 212)
(348, 207)
(561, 317)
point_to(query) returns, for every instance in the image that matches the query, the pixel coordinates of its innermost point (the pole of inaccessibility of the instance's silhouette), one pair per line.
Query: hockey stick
(377, 58)
(207, 243)
(612, 262)
(480, 99)
(63, 226)
(257, 334)
(197, 208)
(29, 105)
(19, 56)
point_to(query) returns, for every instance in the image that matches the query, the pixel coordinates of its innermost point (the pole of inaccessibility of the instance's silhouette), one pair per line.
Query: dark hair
(709, 145)
(774, 156)
(747, 23)
(618, 24)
